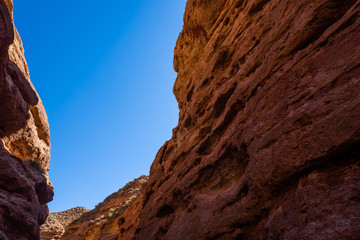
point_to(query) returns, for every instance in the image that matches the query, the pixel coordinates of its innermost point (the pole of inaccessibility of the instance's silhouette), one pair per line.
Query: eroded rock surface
(267, 145)
(24, 141)
(107, 220)
(55, 224)
(31, 142)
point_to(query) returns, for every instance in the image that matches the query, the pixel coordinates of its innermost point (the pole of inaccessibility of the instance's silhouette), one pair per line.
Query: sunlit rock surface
(32, 141)
(55, 224)
(107, 220)
(24, 140)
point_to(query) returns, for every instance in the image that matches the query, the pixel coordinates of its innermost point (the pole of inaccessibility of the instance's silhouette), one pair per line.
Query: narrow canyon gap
(267, 144)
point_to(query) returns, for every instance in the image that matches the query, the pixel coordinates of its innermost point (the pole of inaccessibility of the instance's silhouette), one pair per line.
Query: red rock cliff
(25, 140)
(268, 140)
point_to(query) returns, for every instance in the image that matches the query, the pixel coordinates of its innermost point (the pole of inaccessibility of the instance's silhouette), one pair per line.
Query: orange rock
(31, 142)
(115, 218)
(55, 224)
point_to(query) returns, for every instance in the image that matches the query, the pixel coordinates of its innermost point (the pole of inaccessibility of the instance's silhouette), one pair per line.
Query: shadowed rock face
(267, 145)
(24, 141)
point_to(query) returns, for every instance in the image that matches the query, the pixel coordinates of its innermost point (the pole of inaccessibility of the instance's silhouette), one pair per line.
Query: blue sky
(104, 73)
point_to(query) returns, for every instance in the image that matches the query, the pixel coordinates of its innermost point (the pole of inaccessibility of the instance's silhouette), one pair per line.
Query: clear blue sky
(104, 72)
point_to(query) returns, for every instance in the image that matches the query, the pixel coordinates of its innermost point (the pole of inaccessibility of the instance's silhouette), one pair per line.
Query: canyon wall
(25, 140)
(268, 140)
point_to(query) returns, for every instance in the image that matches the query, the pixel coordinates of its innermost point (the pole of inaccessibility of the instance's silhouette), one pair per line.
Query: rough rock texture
(107, 220)
(32, 141)
(55, 224)
(268, 141)
(24, 189)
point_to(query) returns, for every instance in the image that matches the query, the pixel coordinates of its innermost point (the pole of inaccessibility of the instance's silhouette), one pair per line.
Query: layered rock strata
(55, 224)
(267, 145)
(107, 220)
(24, 140)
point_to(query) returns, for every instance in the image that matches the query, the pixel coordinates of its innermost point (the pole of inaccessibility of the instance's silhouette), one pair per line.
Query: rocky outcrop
(55, 224)
(267, 145)
(30, 142)
(107, 220)
(25, 141)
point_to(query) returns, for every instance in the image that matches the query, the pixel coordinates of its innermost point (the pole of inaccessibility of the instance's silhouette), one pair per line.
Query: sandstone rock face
(267, 145)
(55, 224)
(24, 141)
(32, 141)
(107, 220)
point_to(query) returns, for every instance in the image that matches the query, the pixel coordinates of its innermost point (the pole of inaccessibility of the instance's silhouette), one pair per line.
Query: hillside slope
(106, 221)
(55, 224)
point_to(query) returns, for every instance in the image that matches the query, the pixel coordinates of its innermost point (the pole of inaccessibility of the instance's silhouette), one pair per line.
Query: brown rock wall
(24, 154)
(32, 141)
(269, 102)
(23, 197)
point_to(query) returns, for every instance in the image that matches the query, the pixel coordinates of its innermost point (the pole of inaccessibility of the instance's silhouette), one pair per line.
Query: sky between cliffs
(104, 73)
